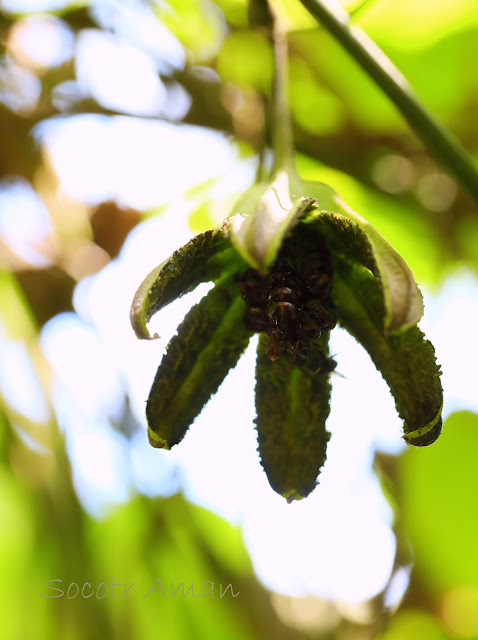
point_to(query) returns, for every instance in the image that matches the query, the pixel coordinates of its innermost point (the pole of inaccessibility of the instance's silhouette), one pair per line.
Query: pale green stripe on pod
(406, 361)
(209, 342)
(292, 407)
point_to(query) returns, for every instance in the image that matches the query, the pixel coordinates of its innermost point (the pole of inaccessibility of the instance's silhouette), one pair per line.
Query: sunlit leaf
(245, 59)
(198, 25)
(414, 623)
(440, 507)
(315, 109)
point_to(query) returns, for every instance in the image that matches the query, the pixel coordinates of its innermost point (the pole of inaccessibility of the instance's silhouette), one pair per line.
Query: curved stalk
(282, 139)
(441, 144)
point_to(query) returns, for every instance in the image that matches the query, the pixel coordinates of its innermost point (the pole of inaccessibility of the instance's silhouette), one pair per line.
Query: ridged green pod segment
(202, 259)
(209, 342)
(406, 361)
(347, 234)
(292, 407)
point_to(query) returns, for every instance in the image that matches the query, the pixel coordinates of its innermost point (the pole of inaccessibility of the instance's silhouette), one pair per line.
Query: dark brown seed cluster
(292, 303)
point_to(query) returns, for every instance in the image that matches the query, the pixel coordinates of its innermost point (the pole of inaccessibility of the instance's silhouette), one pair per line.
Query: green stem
(282, 139)
(373, 61)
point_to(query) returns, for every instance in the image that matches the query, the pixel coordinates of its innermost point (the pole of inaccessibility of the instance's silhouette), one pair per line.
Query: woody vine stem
(441, 144)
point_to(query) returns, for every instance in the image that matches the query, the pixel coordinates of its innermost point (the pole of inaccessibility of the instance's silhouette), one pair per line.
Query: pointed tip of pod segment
(156, 441)
(422, 437)
(292, 495)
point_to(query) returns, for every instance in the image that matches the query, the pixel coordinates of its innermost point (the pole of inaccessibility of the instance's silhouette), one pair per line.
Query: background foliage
(215, 74)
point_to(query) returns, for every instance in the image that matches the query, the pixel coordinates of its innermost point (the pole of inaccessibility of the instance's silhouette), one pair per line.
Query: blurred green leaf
(414, 624)
(15, 312)
(198, 25)
(439, 504)
(201, 218)
(314, 108)
(346, 82)
(415, 24)
(235, 11)
(245, 59)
